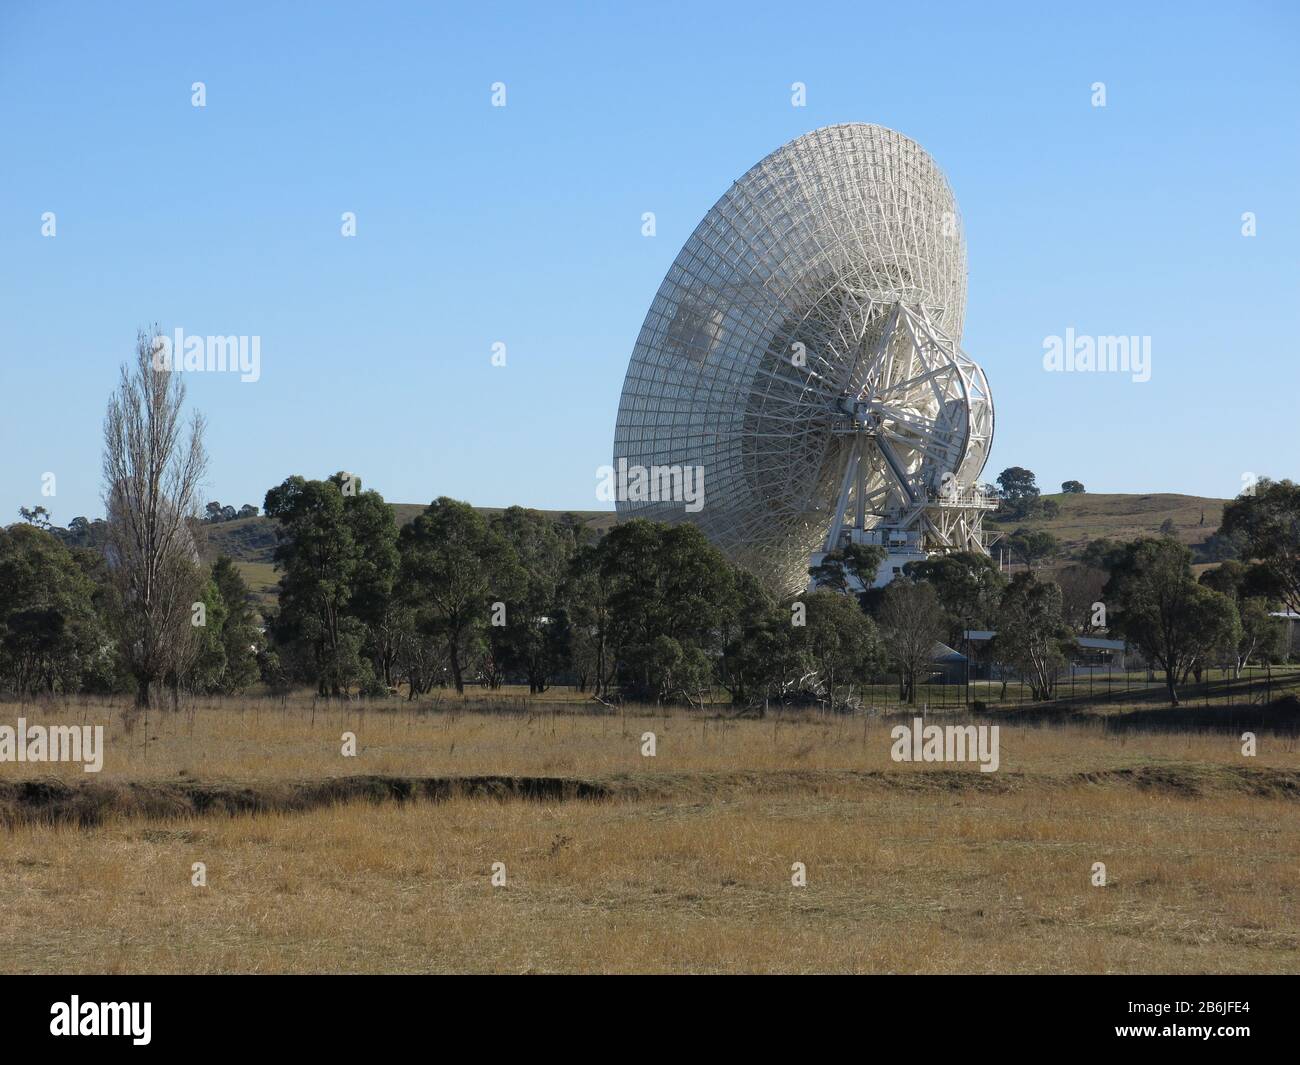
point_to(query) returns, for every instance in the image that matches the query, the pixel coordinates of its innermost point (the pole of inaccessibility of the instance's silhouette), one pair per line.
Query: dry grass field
(677, 863)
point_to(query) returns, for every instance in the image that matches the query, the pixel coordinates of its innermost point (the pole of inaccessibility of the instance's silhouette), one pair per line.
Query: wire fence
(1254, 685)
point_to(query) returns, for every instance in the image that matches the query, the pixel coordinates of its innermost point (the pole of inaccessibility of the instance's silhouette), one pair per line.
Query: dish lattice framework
(803, 352)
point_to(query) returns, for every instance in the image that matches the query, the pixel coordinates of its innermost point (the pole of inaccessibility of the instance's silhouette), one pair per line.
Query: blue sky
(523, 224)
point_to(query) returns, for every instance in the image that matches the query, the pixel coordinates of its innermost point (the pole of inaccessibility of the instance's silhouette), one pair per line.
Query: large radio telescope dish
(802, 353)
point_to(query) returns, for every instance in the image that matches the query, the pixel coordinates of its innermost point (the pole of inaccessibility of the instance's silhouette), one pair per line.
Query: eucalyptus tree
(1156, 604)
(338, 563)
(450, 561)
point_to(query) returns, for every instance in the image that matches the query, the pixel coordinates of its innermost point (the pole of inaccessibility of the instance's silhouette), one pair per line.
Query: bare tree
(1081, 590)
(153, 467)
(911, 623)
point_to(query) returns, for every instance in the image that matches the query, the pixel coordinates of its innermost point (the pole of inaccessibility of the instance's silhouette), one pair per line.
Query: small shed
(947, 666)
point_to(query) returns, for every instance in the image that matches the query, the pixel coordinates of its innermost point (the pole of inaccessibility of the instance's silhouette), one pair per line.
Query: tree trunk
(456, 677)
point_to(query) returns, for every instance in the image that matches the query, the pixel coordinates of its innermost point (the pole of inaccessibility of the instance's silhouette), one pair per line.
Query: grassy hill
(1115, 516)
(1088, 516)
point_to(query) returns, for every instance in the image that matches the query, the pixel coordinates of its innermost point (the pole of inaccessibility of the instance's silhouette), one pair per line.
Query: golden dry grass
(900, 883)
(1127, 516)
(265, 740)
(943, 874)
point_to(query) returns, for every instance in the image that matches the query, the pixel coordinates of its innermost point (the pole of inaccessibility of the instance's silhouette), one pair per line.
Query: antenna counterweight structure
(803, 353)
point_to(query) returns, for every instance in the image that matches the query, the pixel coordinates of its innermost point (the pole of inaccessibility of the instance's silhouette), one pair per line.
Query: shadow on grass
(1281, 716)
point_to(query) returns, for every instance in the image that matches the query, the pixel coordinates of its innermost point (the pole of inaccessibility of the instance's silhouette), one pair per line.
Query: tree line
(647, 612)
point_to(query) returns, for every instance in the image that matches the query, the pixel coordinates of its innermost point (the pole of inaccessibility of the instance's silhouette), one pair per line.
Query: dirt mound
(54, 801)
(50, 801)
(1196, 780)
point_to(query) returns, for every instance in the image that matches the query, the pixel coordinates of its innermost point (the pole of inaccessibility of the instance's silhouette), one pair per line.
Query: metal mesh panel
(805, 249)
